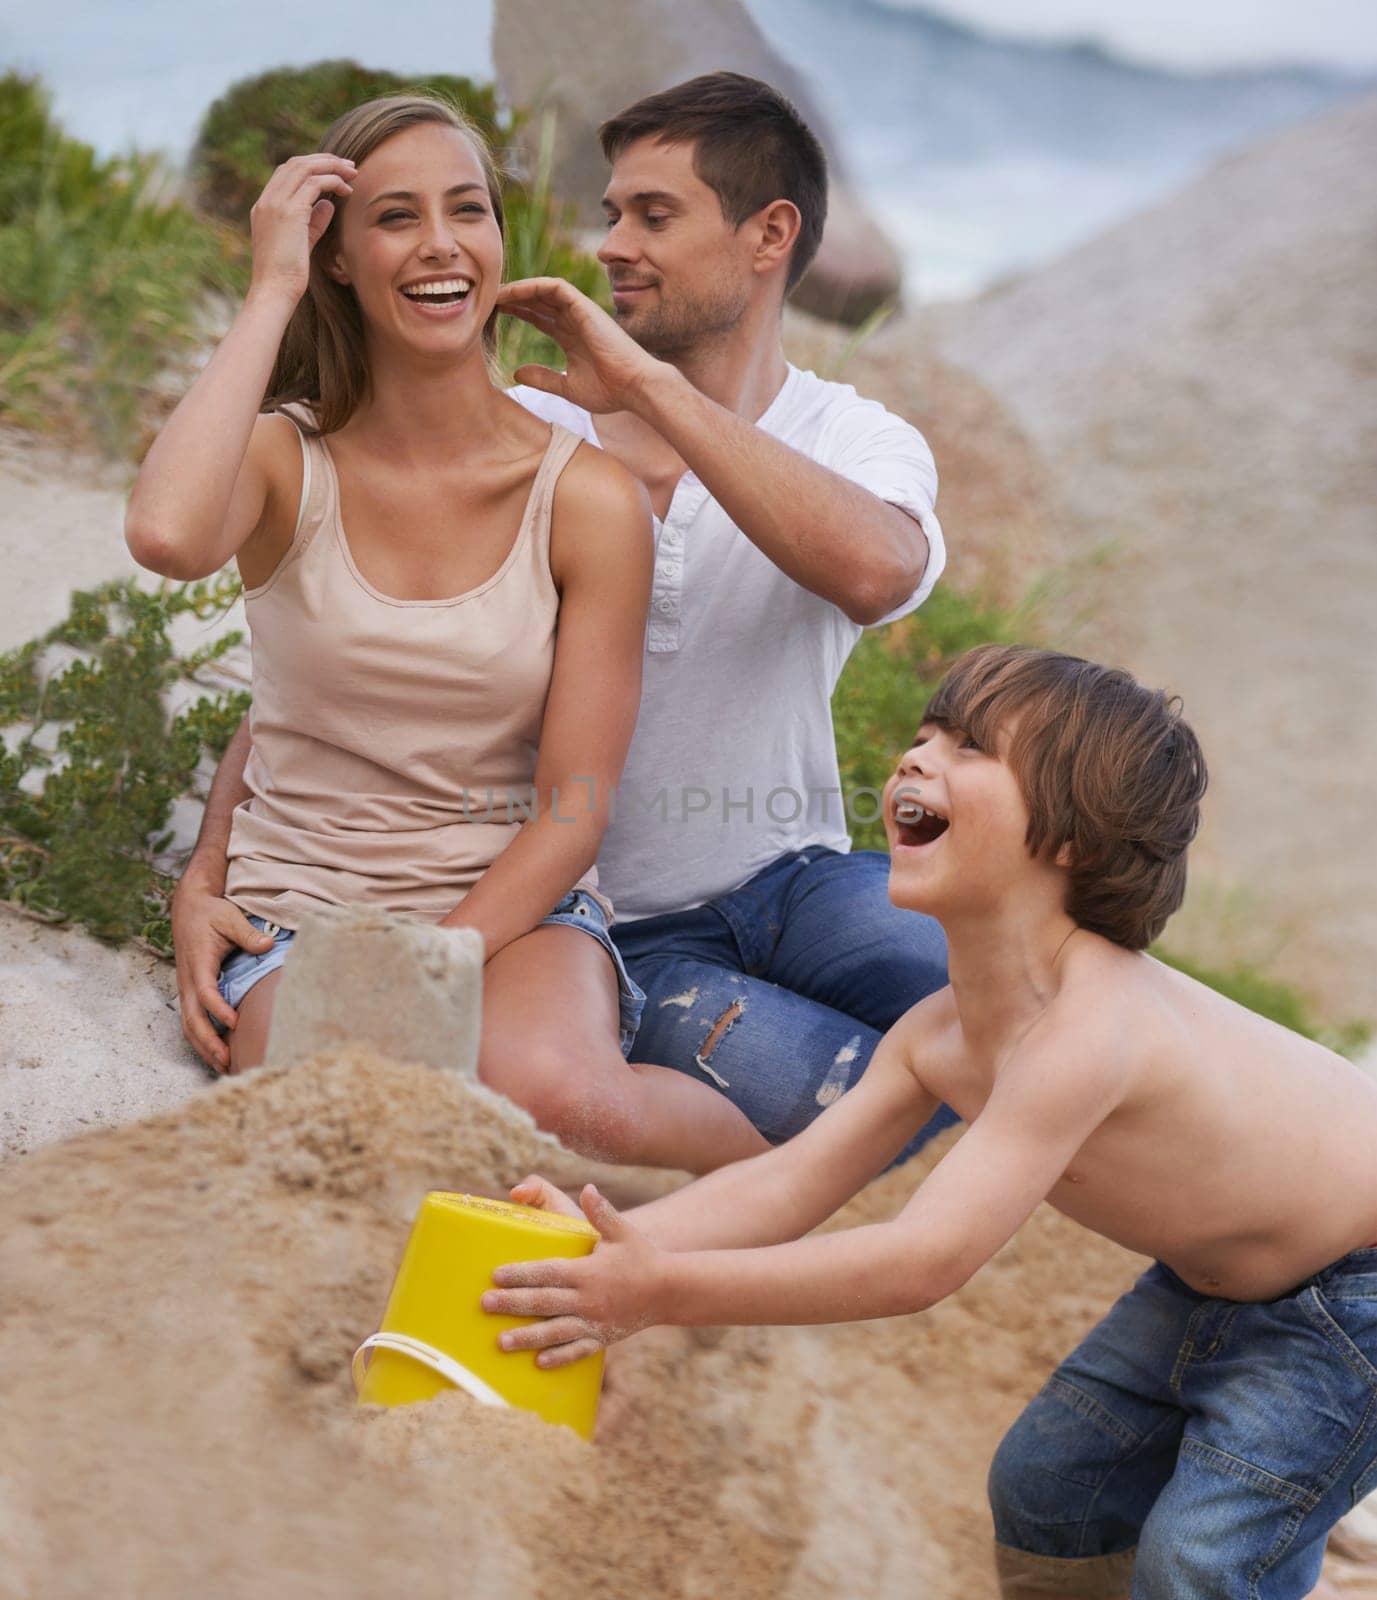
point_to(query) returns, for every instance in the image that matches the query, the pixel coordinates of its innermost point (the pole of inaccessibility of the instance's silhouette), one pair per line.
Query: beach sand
(182, 1297)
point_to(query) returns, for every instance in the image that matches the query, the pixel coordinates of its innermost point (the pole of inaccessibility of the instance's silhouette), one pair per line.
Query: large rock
(603, 54)
(1201, 382)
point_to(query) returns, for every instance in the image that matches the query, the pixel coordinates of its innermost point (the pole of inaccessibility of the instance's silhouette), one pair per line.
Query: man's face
(680, 273)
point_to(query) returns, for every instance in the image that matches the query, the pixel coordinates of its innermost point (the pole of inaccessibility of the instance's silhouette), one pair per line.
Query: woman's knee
(585, 1098)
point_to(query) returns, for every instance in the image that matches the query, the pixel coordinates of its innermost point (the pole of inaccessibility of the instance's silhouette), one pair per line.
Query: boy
(1223, 1416)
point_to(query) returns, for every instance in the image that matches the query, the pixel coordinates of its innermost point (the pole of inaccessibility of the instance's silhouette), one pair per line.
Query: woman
(447, 599)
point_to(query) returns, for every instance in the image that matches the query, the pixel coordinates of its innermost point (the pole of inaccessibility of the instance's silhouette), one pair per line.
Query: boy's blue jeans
(1193, 1448)
(778, 993)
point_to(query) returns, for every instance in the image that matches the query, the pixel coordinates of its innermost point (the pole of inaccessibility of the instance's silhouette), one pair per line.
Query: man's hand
(205, 928)
(607, 369)
(588, 1301)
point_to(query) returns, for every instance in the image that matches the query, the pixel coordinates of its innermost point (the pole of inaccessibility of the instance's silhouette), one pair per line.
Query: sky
(143, 71)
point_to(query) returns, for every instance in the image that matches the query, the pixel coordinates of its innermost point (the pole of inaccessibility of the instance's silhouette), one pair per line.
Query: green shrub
(260, 122)
(103, 277)
(96, 761)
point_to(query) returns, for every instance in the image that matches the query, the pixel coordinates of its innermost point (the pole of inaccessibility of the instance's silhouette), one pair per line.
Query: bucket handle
(447, 1367)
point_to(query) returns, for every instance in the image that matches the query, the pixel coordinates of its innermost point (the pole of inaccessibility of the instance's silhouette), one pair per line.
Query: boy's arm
(1045, 1104)
(785, 1192)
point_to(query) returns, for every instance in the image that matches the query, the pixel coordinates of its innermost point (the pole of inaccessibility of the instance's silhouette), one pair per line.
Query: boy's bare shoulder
(1112, 1008)
(929, 1032)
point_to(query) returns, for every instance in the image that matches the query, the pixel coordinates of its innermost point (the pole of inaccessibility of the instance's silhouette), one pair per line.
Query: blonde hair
(322, 359)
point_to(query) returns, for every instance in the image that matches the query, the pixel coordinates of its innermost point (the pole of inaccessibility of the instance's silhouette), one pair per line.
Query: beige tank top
(394, 741)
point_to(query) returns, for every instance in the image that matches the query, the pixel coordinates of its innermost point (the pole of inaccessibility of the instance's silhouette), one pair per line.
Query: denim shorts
(578, 909)
(1195, 1447)
(777, 993)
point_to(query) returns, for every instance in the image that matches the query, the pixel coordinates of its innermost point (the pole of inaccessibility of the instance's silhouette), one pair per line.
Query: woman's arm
(601, 556)
(204, 487)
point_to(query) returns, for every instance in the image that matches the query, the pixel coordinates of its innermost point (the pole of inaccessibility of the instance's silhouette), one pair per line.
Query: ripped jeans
(778, 993)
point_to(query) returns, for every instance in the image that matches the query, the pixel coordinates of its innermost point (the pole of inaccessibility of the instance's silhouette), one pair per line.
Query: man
(790, 515)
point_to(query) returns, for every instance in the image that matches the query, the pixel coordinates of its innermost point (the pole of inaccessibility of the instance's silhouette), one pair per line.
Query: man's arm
(209, 860)
(205, 926)
(1045, 1104)
(830, 535)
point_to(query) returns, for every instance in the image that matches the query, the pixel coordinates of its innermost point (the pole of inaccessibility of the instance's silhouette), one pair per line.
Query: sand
(182, 1297)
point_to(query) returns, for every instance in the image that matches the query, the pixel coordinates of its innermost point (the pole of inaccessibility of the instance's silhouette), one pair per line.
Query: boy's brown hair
(750, 146)
(1107, 768)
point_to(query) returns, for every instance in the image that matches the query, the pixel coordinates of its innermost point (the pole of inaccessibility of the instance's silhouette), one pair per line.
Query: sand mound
(1201, 381)
(181, 1298)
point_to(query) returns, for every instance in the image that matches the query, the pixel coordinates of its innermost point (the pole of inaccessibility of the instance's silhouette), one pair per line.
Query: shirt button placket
(663, 635)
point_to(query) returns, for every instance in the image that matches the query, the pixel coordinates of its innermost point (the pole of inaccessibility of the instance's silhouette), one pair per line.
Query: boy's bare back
(1237, 1151)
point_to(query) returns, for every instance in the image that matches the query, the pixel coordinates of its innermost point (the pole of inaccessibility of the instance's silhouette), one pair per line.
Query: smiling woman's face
(419, 243)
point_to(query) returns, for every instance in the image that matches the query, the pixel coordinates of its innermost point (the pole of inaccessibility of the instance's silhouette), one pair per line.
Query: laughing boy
(1206, 1435)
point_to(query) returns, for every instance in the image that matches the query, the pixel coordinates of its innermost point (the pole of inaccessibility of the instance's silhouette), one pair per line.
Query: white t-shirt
(734, 761)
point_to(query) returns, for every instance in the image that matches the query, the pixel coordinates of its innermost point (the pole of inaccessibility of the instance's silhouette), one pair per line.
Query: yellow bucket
(435, 1334)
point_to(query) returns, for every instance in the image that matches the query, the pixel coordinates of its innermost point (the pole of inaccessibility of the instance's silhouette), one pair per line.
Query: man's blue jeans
(778, 993)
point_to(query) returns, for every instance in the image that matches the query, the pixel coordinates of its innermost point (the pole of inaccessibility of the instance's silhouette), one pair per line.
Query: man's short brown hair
(750, 146)
(1107, 768)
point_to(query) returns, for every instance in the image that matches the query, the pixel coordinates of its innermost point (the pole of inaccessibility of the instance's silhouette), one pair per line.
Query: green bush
(96, 761)
(261, 122)
(103, 277)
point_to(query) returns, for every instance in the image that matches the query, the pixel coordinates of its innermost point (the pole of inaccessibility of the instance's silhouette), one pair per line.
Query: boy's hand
(541, 1193)
(588, 1301)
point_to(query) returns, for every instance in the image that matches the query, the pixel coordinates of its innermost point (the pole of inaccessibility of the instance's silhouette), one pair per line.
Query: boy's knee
(1045, 1486)
(1011, 1473)
(1024, 1575)
(1036, 1528)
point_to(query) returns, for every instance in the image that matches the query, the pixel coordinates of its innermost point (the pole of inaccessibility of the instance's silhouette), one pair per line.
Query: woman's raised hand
(290, 216)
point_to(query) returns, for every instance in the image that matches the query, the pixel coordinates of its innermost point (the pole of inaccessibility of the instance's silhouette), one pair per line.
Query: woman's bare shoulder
(600, 517)
(595, 481)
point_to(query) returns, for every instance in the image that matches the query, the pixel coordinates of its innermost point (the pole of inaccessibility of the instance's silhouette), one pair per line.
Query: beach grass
(104, 278)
